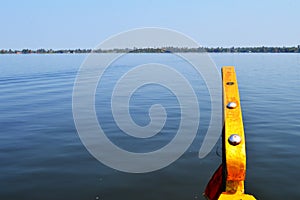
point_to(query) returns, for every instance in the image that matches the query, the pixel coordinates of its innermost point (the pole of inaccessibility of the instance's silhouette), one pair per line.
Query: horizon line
(163, 47)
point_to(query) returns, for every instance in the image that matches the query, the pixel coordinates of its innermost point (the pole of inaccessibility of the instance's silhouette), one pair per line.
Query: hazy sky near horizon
(84, 24)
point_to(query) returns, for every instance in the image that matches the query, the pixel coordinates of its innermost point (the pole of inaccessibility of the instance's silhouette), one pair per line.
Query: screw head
(231, 105)
(234, 139)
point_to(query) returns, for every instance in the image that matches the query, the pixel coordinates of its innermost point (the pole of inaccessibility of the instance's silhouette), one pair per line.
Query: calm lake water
(42, 156)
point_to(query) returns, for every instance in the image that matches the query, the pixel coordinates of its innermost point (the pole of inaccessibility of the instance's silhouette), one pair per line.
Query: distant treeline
(262, 49)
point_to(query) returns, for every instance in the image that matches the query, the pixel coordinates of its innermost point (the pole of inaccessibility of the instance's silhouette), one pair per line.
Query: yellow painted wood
(236, 197)
(235, 156)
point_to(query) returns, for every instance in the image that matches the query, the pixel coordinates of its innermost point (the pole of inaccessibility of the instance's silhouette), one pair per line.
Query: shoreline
(149, 53)
(262, 49)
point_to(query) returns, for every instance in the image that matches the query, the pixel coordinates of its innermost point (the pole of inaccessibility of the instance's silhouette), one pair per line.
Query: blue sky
(84, 24)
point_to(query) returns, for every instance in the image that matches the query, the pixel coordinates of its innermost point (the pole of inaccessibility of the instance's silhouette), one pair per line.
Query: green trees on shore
(261, 49)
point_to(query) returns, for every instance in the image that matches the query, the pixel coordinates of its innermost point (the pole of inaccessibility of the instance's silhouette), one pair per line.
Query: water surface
(42, 156)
